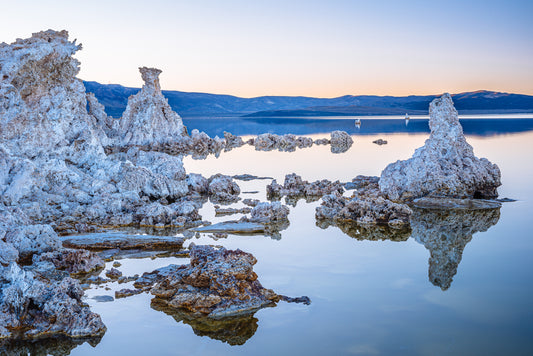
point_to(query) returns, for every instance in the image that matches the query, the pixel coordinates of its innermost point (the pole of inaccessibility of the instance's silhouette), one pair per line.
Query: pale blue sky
(316, 48)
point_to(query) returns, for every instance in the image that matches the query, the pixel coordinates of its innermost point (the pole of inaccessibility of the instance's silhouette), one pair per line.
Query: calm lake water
(462, 286)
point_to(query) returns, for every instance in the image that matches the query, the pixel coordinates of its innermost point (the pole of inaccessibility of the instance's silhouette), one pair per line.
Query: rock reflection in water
(57, 346)
(372, 233)
(234, 330)
(445, 233)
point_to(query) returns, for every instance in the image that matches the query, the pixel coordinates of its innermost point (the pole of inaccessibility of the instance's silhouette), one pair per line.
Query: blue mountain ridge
(115, 97)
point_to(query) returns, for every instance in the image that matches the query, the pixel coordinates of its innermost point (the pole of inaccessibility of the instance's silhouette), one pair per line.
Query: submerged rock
(35, 308)
(233, 227)
(445, 166)
(445, 233)
(106, 241)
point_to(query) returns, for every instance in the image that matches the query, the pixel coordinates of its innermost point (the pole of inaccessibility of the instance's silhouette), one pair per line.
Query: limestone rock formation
(445, 166)
(148, 119)
(445, 233)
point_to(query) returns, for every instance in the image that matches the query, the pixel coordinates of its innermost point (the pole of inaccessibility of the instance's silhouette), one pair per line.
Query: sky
(310, 48)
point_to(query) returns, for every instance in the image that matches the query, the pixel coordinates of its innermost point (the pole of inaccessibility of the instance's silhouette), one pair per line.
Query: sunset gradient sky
(312, 48)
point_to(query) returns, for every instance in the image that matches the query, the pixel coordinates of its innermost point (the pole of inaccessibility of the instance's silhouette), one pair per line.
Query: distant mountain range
(115, 97)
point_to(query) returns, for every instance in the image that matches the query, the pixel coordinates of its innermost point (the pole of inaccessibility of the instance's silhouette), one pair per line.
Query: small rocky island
(70, 175)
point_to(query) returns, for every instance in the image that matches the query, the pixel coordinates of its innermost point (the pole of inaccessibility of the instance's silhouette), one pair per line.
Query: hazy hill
(114, 97)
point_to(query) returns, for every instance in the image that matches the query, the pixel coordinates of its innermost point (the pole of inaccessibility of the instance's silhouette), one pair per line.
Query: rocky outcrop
(148, 119)
(445, 233)
(217, 283)
(445, 166)
(35, 308)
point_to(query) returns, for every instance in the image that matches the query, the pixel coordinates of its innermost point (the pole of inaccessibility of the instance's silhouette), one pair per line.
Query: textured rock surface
(223, 189)
(216, 283)
(269, 213)
(52, 160)
(148, 119)
(32, 308)
(445, 166)
(72, 261)
(445, 233)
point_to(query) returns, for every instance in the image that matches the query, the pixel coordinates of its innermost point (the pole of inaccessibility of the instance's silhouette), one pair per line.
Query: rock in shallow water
(445, 166)
(217, 283)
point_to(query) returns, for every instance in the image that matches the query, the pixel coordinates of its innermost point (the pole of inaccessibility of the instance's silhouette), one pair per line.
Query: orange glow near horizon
(294, 48)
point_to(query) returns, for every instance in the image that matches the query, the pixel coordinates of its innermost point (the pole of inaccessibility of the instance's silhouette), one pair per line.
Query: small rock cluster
(295, 187)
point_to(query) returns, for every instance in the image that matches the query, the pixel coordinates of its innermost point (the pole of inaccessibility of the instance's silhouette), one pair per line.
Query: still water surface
(463, 286)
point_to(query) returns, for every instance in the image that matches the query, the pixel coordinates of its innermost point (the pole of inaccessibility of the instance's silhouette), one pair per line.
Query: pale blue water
(368, 297)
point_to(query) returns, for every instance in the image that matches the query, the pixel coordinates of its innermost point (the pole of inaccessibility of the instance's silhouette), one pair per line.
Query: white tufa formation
(148, 119)
(445, 166)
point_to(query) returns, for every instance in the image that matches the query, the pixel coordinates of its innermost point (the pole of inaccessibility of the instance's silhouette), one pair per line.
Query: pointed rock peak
(150, 77)
(443, 118)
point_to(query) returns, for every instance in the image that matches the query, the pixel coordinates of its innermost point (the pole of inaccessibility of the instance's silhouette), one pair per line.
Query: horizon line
(317, 97)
